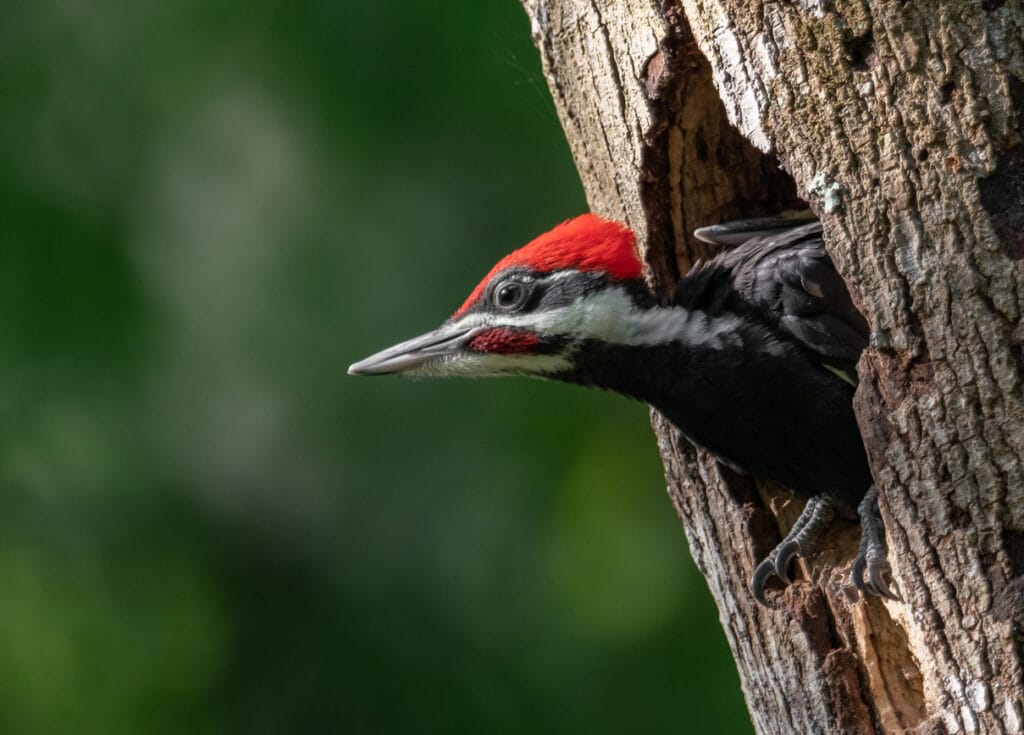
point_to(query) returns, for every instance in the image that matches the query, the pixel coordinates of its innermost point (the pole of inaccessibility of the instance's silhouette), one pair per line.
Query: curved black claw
(785, 553)
(870, 561)
(760, 579)
(798, 542)
(875, 584)
(857, 572)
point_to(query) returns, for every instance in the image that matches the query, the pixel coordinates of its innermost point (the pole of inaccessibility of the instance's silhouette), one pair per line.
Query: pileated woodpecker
(753, 358)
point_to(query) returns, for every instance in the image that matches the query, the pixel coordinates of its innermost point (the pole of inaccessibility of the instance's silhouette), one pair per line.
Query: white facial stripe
(611, 316)
(552, 276)
(663, 326)
(560, 275)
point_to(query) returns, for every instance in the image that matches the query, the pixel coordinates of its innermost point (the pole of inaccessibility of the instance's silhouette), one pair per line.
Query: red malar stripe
(503, 341)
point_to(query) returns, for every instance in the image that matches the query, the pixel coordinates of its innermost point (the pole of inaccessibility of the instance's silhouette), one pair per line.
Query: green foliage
(208, 209)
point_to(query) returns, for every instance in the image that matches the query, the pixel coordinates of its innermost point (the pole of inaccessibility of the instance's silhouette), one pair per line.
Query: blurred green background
(208, 209)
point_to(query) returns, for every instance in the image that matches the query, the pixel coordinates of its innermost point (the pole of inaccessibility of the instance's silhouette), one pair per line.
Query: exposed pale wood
(901, 123)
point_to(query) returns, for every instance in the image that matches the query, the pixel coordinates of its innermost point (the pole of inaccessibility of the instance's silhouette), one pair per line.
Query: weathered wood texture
(901, 122)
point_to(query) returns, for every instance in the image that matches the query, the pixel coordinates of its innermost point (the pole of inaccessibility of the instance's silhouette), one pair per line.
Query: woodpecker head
(531, 313)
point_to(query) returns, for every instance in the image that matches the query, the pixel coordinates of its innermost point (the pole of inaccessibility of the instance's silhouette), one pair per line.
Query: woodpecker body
(753, 358)
(736, 382)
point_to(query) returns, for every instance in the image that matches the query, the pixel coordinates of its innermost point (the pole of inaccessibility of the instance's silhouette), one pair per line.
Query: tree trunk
(901, 123)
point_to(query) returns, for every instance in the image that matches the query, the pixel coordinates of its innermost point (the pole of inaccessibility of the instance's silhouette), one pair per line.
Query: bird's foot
(800, 541)
(870, 565)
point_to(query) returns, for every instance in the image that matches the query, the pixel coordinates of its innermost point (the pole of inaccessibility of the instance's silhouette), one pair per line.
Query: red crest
(585, 243)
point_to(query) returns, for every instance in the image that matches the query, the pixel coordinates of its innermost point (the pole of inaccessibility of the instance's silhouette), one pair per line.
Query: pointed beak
(446, 341)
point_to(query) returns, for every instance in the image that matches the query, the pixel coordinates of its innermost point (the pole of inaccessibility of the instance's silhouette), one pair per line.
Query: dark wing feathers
(737, 232)
(786, 280)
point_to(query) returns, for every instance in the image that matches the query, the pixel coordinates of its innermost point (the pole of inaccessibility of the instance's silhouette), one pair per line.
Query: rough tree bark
(901, 123)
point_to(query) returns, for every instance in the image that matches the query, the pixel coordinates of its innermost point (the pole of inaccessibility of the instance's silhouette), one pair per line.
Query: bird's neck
(654, 350)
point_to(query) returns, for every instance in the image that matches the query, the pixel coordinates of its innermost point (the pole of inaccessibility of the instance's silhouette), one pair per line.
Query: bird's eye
(510, 295)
